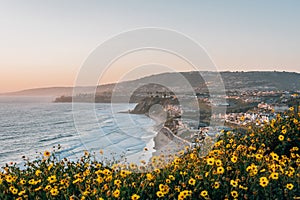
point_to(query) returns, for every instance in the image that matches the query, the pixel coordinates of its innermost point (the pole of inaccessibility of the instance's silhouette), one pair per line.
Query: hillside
(235, 80)
(232, 81)
(51, 91)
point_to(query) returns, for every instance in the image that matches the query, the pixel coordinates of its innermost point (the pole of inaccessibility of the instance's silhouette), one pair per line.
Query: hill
(254, 80)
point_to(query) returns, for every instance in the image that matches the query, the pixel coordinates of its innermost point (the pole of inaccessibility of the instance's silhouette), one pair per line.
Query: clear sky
(44, 43)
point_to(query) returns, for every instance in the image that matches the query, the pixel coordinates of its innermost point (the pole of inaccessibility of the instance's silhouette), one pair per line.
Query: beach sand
(166, 143)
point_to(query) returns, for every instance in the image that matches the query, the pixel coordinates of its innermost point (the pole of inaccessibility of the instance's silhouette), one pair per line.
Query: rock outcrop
(144, 105)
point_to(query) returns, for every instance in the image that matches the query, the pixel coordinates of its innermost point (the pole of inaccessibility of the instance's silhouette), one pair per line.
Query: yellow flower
(199, 177)
(218, 162)
(86, 193)
(165, 189)
(108, 178)
(22, 181)
(177, 161)
(54, 191)
(234, 183)
(192, 181)
(117, 182)
(171, 177)
(149, 177)
(204, 193)
(38, 172)
(184, 194)
(274, 176)
(160, 194)
(86, 172)
(263, 181)
(258, 156)
(47, 154)
(50, 166)
(98, 166)
(21, 193)
(206, 174)
(13, 190)
(9, 178)
(280, 137)
(220, 170)
(289, 186)
(106, 172)
(234, 194)
(234, 159)
(37, 189)
(31, 181)
(295, 149)
(135, 197)
(242, 118)
(48, 187)
(193, 156)
(52, 179)
(116, 193)
(283, 131)
(291, 108)
(78, 180)
(274, 156)
(210, 161)
(161, 187)
(216, 185)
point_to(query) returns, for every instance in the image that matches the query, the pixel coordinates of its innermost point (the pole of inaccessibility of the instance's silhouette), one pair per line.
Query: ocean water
(30, 125)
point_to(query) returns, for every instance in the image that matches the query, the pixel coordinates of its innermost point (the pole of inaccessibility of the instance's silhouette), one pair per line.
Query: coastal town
(242, 108)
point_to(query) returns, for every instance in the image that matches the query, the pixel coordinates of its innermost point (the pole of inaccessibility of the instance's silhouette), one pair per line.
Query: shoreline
(165, 141)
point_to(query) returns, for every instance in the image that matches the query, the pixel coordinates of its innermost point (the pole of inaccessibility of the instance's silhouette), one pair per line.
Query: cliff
(145, 104)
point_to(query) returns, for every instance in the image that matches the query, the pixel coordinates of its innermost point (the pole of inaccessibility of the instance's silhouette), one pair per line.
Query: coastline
(165, 141)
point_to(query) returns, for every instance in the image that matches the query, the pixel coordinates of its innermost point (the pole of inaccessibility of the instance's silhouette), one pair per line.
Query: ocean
(31, 125)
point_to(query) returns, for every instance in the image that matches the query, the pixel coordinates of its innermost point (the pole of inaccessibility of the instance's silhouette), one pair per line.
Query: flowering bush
(262, 163)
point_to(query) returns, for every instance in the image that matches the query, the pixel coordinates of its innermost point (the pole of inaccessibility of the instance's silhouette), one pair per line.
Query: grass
(262, 163)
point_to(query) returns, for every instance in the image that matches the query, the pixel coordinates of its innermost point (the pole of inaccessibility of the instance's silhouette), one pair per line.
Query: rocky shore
(167, 140)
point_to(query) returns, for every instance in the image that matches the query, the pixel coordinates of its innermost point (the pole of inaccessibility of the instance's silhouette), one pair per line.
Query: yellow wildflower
(135, 197)
(116, 193)
(263, 181)
(204, 193)
(289, 186)
(192, 181)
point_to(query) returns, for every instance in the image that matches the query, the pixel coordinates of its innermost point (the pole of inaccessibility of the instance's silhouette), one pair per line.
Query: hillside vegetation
(263, 163)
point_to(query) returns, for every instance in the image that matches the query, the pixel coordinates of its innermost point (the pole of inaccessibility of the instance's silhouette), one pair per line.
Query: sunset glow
(44, 44)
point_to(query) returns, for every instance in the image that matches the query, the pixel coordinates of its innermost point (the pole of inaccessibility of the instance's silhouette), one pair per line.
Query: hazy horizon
(43, 44)
(69, 86)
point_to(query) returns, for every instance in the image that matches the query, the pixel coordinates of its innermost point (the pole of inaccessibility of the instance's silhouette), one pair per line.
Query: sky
(45, 43)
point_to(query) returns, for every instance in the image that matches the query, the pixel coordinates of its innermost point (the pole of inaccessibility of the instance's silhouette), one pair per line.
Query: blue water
(29, 125)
